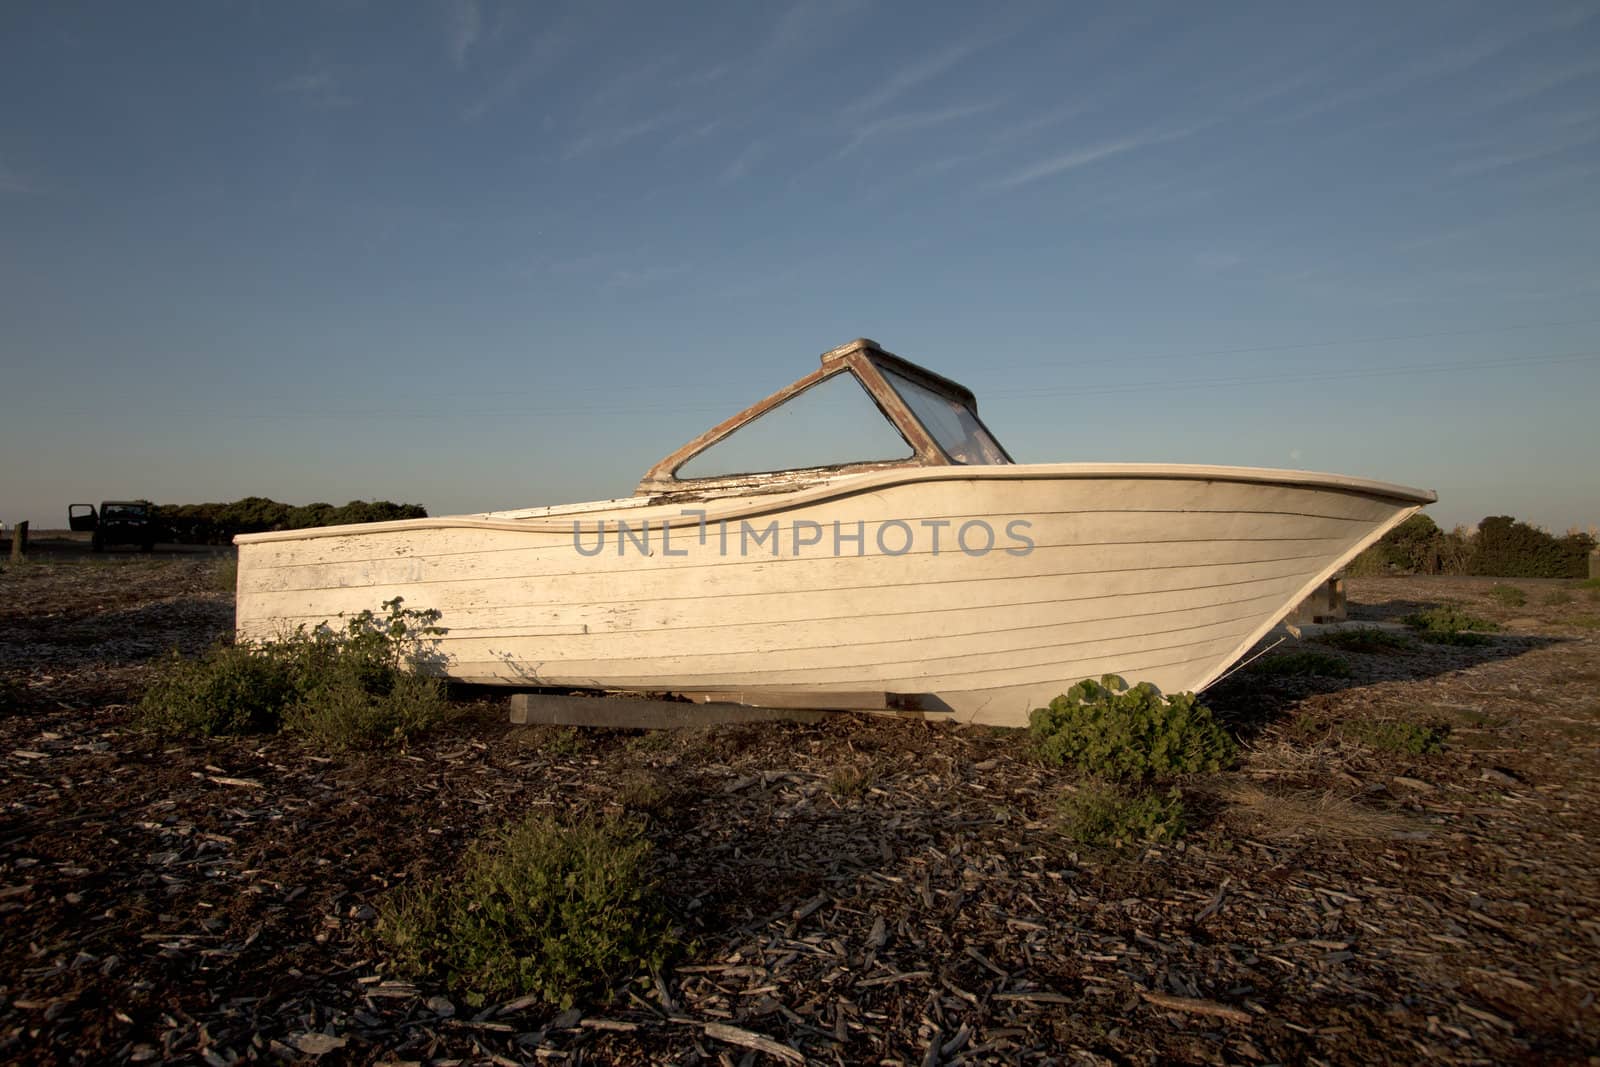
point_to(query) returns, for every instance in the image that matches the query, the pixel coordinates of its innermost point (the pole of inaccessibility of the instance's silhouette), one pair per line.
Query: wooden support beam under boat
(633, 713)
(789, 698)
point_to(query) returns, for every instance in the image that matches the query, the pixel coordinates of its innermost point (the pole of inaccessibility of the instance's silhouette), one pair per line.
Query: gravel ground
(1335, 903)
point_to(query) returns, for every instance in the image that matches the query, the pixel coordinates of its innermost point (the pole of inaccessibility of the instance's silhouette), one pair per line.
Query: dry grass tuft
(1306, 812)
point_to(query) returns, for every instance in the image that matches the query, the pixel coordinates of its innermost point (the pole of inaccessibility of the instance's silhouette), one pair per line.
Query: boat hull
(974, 593)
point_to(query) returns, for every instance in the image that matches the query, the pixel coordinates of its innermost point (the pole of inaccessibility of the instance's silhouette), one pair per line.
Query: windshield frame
(861, 358)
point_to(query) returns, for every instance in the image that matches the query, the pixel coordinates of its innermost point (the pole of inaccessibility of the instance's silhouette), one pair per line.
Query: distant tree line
(1501, 547)
(216, 524)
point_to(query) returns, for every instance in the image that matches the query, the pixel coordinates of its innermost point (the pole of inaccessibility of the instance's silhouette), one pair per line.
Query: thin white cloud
(1084, 157)
(466, 24)
(706, 75)
(805, 25)
(914, 74)
(610, 137)
(1446, 63)
(1545, 81)
(543, 51)
(739, 167)
(916, 120)
(317, 86)
(1526, 154)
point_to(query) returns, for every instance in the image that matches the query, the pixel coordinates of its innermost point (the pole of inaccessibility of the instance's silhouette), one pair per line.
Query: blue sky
(480, 255)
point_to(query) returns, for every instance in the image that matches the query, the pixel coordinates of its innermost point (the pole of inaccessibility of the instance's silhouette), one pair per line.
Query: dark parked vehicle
(119, 522)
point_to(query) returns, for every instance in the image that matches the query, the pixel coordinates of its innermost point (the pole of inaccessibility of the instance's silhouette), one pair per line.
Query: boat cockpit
(865, 409)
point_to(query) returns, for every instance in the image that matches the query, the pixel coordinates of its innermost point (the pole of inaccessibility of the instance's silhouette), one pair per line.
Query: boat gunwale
(856, 483)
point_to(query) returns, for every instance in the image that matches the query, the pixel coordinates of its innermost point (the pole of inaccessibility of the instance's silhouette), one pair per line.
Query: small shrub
(1106, 729)
(1103, 815)
(12, 697)
(1585, 622)
(1558, 598)
(1296, 664)
(652, 741)
(233, 689)
(1366, 639)
(543, 907)
(1449, 625)
(225, 575)
(347, 711)
(1590, 583)
(1508, 595)
(852, 779)
(364, 684)
(565, 741)
(642, 791)
(1401, 738)
(1459, 638)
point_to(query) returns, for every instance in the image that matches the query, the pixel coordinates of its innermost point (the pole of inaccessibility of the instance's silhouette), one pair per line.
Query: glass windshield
(835, 421)
(951, 422)
(123, 511)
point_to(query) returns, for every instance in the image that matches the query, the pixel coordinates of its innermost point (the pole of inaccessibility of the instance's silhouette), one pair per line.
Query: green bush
(1449, 625)
(233, 689)
(1373, 562)
(1416, 546)
(1501, 547)
(543, 907)
(1404, 738)
(346, 710)
(1106, 729)
(1506, 548)
(12, 697)
(1365, 639)
(1296, 664)
(216, 524)
(1509, 595)
(1102, 814)
(225, 576)
(364, 684)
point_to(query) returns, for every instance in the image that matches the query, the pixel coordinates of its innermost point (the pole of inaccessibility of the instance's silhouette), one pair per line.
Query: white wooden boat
(923, 570)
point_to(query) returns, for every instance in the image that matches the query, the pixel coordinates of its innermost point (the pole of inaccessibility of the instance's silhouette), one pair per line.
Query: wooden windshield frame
(861, 358)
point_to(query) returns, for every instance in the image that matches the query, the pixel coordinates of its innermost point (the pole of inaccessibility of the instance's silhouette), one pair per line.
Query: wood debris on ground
(211, 901)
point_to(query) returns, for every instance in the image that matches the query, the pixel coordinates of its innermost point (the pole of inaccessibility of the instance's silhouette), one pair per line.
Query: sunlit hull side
(1164, 574)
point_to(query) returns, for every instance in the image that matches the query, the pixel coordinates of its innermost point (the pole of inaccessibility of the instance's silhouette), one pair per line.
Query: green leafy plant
(544, 907)
(366, 683)
(1107, 729)
(1449, 625)
(564, 741)
(1298, 664)
(1508, 595)
(642, 790)
(1366, 639)
(1403, 738)
(233, 689)
(1101, 814)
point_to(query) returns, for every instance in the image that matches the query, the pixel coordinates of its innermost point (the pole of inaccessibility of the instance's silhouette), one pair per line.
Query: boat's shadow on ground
(1251, 699)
